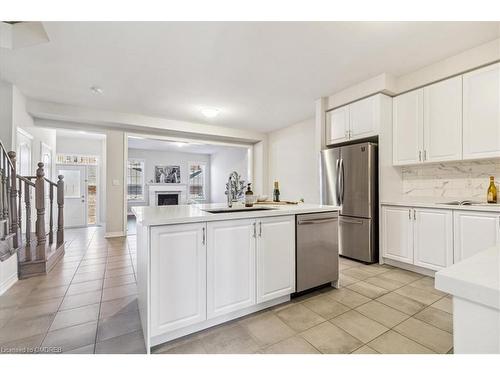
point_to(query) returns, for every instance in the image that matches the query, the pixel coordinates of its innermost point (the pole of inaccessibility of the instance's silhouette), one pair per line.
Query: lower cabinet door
(230, 266)
(178, 276)
(474, 232)
(275, 257)
(433, 238)
(397, 233)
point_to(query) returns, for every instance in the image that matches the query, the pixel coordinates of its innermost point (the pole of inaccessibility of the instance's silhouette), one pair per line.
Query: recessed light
(209, 112)
(97, 90)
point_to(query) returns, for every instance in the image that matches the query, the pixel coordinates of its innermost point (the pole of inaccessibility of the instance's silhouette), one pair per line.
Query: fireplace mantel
(155, 189)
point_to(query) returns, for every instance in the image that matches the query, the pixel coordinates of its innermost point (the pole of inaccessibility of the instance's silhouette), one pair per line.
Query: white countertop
(476, 278)
(164, 215)
(438, 203)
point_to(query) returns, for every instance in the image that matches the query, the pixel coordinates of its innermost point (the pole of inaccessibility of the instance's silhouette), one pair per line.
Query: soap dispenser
(249, 196)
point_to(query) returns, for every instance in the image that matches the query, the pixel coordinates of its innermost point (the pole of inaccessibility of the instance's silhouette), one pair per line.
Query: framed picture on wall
(170, 174)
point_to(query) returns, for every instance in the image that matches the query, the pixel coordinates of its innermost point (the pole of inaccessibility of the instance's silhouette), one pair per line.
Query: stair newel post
(51, 213)
(14, 228)
(40, 212)
(60, 209)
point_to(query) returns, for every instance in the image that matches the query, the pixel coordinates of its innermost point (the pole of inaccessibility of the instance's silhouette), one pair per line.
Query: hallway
(87, 304)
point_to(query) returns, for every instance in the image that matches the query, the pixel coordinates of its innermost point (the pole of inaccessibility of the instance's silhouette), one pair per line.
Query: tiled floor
(379, 309)
(88, 304)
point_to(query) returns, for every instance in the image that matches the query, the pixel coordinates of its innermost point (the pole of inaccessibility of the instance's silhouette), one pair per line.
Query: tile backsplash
(457, 180)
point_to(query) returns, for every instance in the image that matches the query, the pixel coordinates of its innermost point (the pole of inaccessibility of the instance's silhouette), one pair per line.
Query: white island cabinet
(197, 269)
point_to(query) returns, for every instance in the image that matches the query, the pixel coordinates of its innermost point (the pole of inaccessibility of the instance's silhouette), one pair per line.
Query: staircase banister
(24, 179)
(4, 150)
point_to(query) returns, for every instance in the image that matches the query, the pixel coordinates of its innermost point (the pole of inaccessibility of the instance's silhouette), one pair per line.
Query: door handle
(337, 187)
(342, 181)
(349, 221)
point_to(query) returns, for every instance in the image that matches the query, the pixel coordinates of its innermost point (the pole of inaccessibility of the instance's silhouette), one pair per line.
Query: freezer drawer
(358, 239)
(317, 250)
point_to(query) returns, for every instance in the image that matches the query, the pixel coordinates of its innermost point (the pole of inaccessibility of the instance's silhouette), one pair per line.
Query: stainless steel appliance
(350, 180)
(317, 260)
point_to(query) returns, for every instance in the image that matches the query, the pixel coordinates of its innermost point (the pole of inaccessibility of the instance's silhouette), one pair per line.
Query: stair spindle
(13, 201)
(20, 213)
(40, 212)
(60, 209)
(27, 203)
(51, 213)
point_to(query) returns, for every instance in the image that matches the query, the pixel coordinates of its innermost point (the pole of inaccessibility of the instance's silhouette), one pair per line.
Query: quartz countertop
(164, 215)
(476, 278)
(440, 203)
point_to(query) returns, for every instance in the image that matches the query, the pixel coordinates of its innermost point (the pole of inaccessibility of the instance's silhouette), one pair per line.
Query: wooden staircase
(37, 251)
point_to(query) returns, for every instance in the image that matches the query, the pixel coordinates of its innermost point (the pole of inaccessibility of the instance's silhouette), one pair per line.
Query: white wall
(88, 146)
(115, 193)
(222, 163)
(154, 158)
(294, 163)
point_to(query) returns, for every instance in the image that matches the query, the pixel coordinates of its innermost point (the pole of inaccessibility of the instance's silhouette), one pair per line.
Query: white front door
(75, 195)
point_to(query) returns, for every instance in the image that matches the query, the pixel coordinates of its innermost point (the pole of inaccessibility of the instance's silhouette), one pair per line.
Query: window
(135, 180)
(197, 181)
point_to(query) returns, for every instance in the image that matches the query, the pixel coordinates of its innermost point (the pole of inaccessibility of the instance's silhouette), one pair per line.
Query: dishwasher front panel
(317, 250)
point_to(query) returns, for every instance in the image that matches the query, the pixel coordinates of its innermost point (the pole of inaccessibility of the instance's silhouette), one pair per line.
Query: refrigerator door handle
(341, 179)
(337, 183)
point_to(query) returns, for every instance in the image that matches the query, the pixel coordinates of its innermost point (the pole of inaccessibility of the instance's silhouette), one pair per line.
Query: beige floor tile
(118, 306)
(329, 339)
(119, 280)
(421, 295)
(191, 347)
(393, 343)
(87, 286)
(267, 329)
(348, 297)
(345, 280)
(326, 306)
(130, 343)
(402, 276)
(88, 276)
(118, 325)
(30, 312)
(375, 269)
(404, 304)
(445, 304)
(79, 300)
(72, 337)
(436, 318)
(293, 345)
(120, 291)
(87, 349)
(349, 262)
(233, 339)
(368, 290)
(26, 345)
(427, 283)
(383, 282)
(45, 294)
(97, 268)
(365, 350)
(383, 314)
(357, 273)
(299, 318)
(119, 272)
(21, 329)
(74, 317)
(359, 326)
(425, 334)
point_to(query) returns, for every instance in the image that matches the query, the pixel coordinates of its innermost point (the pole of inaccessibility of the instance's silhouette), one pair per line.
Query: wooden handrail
(24, 179)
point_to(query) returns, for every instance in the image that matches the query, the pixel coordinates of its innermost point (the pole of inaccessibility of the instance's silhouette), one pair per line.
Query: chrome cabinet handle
(260, 229)
(409, 214)
(254, 230)
(420, 155)
(425, 155)
(204, 238)
(414, 214)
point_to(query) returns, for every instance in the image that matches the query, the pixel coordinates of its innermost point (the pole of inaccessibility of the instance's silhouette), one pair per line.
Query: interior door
(75, 195)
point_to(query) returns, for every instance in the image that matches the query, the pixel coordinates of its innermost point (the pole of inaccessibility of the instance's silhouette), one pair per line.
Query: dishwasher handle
(316, 221)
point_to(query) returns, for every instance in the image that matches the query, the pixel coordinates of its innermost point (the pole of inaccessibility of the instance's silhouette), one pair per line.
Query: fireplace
(167, 199)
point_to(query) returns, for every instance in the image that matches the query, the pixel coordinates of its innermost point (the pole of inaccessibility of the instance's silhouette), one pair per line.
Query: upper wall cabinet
(443, 121)
(357, 120)
(408, 124)
(481, 122)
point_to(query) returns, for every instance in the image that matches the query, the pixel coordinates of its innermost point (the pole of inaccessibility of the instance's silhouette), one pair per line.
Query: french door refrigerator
(350, 180)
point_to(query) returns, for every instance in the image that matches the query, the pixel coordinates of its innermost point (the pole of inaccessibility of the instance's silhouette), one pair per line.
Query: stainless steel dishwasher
(317, 257)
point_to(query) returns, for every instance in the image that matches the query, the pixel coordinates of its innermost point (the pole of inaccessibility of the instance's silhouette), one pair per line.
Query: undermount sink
(461, 203)
(236, 209)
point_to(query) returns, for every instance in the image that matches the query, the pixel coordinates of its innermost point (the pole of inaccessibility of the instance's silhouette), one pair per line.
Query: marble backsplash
(457, 180)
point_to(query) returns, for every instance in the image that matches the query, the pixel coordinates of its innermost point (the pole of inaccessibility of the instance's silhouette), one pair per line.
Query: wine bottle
(276, 192)
(492, 191)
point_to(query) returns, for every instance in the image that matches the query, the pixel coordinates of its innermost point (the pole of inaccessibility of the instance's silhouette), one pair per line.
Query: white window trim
(143, 182)
(205, 195)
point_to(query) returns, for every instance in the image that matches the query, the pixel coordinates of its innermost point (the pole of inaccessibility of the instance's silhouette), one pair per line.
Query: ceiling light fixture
(97, 90)
(209, 112)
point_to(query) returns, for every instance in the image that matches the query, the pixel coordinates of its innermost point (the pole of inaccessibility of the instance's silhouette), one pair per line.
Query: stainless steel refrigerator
(350, 180)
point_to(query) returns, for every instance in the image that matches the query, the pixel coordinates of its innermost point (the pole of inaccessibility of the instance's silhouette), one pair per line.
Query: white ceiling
(262, 76)
(162, 145)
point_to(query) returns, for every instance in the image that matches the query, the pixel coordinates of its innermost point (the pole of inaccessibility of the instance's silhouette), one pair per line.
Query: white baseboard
(408, 267)
(8, 283)
(114, 234)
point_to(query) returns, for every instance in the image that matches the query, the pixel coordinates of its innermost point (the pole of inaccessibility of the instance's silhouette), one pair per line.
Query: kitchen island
(202, 265)
(474, 284)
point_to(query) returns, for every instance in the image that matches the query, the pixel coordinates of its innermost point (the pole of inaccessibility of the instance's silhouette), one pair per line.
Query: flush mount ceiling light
(209, 112)
(97, 90)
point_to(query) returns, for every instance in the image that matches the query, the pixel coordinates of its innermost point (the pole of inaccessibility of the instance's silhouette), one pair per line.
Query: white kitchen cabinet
(481, 113)
(474, 232)
(275, 257)
(178, 276)
(397, 233)
(337, 125)
(407, 128)
(363, 117)
(443, 121)
(230, 266)
(433, 238)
